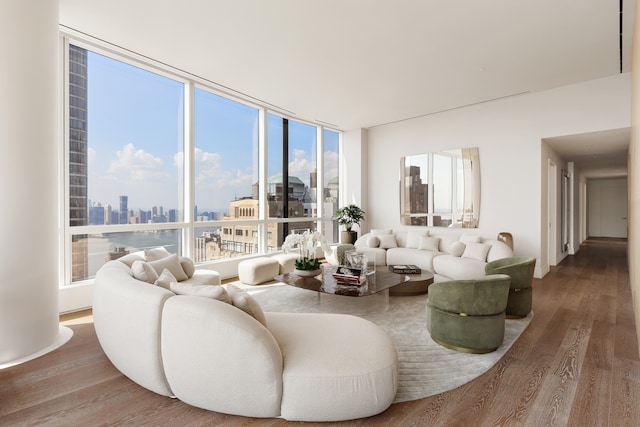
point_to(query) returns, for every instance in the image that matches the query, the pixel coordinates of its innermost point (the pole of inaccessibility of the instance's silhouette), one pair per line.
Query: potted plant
(349, 216)
(307, 263)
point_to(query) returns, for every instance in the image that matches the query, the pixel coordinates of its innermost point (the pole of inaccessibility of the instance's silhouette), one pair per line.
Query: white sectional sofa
(449, 254)
(212, 347)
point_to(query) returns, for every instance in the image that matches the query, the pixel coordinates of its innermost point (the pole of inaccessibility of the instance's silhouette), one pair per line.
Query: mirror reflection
(441, 189)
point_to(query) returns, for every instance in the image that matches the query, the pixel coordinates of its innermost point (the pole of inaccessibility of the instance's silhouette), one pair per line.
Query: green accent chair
(468, 315)
(520, 269)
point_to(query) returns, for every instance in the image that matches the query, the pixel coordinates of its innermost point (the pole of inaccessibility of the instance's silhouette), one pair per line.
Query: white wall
(29, 134)
(508, 134)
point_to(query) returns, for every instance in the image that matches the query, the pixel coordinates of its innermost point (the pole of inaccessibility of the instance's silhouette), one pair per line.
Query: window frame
(189, 224)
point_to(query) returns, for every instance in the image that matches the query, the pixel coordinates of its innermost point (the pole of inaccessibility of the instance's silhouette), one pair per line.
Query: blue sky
(135, 128)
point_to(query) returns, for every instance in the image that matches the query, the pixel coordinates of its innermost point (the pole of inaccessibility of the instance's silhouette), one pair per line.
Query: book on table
(405, 269)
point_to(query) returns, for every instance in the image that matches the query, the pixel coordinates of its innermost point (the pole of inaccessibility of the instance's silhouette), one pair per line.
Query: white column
(30, 140)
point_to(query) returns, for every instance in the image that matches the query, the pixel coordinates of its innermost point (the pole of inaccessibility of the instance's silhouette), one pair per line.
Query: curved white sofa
(450, 255)
(213, 355)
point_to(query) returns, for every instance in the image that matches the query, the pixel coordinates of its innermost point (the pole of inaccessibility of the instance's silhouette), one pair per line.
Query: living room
(510, 130)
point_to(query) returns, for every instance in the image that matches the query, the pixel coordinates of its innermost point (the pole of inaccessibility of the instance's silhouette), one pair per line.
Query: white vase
(307, 273)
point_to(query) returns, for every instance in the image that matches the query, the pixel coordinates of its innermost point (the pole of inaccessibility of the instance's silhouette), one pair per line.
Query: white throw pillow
(171, 263)
(428, 243)
(477, 251)
(387, 241)
(470, 238)
(165, 279)
(187, 265)
(457, 249)
(156, 253)
(207, 291)
(373, 241)
(246, 303)
(413, 238)
(142, 271)
(377, 232)
(130, 259)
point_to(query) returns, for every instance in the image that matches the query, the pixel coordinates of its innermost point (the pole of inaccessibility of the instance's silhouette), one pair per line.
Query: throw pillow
(246, 303)
(457, 249)
(207, 291)
(428, 243)
(156, 253)
(470, 238)
(142, 271)
(171, 263)
(413, 238)
(187, 265)
(373, 241)
(165, 279)
(387, 241)
(130, 259)
(477, 251)
(377, 232)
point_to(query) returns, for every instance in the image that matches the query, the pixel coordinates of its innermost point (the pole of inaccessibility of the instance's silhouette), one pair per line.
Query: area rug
(426, 368)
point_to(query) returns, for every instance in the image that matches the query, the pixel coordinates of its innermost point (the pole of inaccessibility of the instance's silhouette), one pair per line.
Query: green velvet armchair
(468, 315)
(520, 269)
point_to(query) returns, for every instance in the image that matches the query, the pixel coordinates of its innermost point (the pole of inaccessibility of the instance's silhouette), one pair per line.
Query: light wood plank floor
(577, 364)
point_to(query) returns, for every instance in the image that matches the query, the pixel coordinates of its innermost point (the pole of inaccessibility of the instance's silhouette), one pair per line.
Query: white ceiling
(361, 63)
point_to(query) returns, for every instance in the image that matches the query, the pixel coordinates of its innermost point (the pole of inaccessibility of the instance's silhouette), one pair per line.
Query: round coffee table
(418, 284)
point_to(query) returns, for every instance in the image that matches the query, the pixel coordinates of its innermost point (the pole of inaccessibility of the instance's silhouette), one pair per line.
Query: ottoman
(287, 262)
(258, 270)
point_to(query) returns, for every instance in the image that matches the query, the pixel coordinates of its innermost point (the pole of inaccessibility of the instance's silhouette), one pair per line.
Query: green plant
(308, 264)
(349, 216)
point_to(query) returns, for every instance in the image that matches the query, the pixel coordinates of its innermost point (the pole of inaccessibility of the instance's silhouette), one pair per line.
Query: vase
(307, 273)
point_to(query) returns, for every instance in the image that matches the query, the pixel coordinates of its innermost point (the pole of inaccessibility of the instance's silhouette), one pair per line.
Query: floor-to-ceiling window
(155, 157)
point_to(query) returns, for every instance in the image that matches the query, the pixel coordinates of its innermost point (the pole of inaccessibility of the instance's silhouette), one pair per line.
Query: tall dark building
(78, 209)
(124, 210)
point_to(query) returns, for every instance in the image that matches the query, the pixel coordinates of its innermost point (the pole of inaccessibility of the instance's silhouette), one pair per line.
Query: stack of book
(405, 269)
(348, 276)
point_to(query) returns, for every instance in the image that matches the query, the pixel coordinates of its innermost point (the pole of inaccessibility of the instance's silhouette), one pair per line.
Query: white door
(614, 212)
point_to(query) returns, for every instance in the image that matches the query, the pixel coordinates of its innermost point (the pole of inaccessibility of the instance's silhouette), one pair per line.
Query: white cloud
(140, 165)
(300, 166)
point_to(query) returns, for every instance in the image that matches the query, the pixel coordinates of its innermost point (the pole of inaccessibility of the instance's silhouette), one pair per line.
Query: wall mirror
(441, 189)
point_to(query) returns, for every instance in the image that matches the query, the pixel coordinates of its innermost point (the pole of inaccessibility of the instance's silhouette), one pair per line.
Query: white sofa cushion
(387, 241)
(477, 251)
(131, 258)
(204, 277)
(428, 243)
(457, 268)
(498, 250)
(413, 238)
(187, 266)
(218, 358)
(246, 303)
(470, 238)
(208, 291)
(156, 253)
(315, 382)
(373, 241)
(456, 249)
(171, 263)
(142, 271)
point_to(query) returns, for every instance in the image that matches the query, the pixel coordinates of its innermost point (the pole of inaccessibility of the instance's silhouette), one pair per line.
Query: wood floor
(577, 364)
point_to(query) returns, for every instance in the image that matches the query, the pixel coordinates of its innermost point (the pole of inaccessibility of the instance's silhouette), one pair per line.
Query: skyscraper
(78, 209)
(124, 210)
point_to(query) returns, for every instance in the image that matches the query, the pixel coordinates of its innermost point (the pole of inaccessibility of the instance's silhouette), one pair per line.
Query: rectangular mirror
(441, 189)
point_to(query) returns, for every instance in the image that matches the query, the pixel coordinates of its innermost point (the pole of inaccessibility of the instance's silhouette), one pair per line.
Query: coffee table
(416, 285)
(370, 296)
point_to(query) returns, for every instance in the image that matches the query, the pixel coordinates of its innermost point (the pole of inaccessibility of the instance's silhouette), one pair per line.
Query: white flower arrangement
(306, 243)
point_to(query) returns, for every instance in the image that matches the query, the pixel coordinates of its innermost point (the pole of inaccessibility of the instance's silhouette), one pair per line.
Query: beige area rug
(426, 368)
